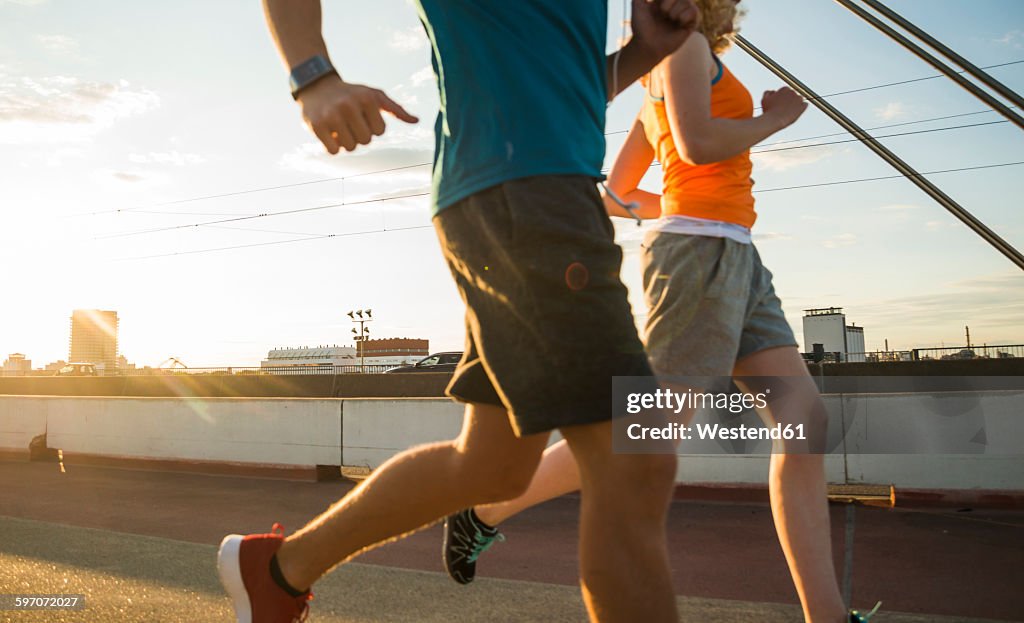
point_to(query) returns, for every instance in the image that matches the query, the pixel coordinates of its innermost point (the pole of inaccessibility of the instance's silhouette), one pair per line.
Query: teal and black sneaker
(857, 617)
(465, 538)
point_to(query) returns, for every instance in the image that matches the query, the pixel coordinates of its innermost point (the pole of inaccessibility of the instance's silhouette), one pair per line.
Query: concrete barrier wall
(21, 419)
(986, 429)
(304, 432)
(376, 430)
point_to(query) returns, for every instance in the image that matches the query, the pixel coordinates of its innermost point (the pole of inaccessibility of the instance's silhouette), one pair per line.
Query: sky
(120, 118)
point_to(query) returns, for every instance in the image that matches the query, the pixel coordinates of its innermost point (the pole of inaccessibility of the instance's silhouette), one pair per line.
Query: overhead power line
(879, 127)
(854, 140)
(250, 217)
(310, 237)
(891, 177)
(247, 217)
(306, 238)
(142, 209)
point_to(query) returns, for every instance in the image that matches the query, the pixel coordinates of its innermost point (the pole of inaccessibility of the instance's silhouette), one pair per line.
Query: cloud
(59, 44)
(24, 2)
(897, 212)
(174, 158)
(840, 240)
(940, 225)
(784, 160)
(124, 176)
(991, 304)
(1012, 38)
(423, 76)
(891, 111)
(58, 156)
(767, 236)
(122, 180)
(62, 109)
(898, 207)
(312, 158)
(409, 39)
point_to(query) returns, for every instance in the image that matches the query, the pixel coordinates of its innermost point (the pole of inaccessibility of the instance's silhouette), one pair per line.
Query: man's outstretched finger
(393, 107)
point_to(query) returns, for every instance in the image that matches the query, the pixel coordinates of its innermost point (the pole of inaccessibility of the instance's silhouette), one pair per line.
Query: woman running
(712, 309)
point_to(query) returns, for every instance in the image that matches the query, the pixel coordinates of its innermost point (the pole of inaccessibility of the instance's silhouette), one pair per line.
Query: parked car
(78, 369)
(438, 362)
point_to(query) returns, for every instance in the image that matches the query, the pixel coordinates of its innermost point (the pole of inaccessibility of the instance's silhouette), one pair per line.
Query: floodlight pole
(361, 335)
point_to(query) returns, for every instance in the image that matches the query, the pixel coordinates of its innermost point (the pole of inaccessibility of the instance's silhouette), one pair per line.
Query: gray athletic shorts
(710, 302)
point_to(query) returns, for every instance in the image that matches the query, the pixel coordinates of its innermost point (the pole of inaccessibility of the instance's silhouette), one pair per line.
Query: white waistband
(691, 225)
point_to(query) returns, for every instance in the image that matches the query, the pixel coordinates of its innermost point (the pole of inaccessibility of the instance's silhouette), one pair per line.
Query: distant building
(827, 326)
(94, 339)
(385, 352)
(17, 365)
(395, 351)
(55, 366)
(305, 356)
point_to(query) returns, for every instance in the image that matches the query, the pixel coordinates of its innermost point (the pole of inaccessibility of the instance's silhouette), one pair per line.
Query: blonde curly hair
(718, 22)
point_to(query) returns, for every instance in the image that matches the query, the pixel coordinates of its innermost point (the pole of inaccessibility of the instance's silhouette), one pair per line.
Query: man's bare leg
(796, 483)
(624, 570)
(415, 488)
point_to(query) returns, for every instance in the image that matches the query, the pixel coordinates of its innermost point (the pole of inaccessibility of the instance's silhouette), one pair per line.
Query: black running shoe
(465, 538)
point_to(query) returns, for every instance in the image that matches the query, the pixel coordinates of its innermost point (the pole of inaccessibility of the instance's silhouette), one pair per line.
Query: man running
(519, 147)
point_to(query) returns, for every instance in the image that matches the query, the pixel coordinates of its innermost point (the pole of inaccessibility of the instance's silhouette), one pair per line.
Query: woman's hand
(784, 106)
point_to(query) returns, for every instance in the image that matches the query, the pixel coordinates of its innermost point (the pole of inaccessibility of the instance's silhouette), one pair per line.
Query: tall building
(94, 339)
(827, 326)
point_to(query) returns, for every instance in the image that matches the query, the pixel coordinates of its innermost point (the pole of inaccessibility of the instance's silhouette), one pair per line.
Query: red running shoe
(243, 563)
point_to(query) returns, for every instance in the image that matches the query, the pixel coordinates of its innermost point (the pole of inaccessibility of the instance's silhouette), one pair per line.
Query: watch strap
(309, 71)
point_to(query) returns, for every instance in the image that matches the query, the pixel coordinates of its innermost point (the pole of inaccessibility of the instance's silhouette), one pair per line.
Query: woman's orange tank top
(721, 191)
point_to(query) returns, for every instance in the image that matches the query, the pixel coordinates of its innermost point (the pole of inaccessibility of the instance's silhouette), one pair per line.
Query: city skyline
(112, 160)
(182, 358)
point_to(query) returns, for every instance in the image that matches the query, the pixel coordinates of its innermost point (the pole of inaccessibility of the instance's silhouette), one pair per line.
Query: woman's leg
(796, 482)
(556, 475)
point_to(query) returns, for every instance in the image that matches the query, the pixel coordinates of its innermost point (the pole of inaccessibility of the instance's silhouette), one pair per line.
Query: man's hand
(344, 115)
(661, 26)
(784, 106)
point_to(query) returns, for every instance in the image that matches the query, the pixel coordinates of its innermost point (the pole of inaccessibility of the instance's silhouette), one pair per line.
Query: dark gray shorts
(710, 302)
(548, 323)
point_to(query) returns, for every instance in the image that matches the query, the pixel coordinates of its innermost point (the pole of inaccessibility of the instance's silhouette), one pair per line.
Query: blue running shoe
(857, 617)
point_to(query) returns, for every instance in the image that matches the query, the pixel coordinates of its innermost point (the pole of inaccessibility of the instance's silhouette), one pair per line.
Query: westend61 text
(680, 432)
(668, 400)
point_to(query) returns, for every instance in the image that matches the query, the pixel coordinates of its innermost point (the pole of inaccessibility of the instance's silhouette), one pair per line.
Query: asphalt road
(141, 547)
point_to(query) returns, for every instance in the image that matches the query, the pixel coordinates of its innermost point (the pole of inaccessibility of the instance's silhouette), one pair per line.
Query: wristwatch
(309, 71)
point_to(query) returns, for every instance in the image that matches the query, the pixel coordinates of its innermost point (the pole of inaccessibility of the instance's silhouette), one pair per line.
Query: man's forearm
(295, 26)
(633, 62)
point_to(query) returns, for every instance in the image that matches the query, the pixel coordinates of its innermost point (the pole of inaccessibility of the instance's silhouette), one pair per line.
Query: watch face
(309, 71)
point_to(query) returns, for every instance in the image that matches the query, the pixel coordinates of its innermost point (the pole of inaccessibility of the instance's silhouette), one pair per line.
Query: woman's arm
(631, 164)
(701, 138)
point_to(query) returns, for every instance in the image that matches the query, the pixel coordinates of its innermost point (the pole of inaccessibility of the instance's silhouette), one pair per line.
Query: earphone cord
(618, 52)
